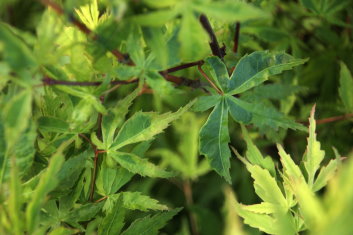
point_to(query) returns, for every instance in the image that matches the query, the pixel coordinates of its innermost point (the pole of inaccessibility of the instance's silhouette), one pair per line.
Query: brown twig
(182, 66)
(334, 119)
(101, 199)
(48, 81)
(216, 49)
(236, 37)
(209, 80)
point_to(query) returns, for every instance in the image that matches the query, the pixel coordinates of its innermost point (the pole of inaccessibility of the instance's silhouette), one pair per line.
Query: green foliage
(112, 113)
(288, 204)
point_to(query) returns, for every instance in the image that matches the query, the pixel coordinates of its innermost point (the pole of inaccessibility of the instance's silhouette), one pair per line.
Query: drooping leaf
(150, 225)
(137, 165)
(144, 126)
(346, 87)
(214, 139)
(138, 201)
(255, 68)
(15, 52)
(47, 183)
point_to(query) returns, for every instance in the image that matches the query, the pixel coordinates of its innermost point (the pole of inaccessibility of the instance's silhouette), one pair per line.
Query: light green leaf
(230, 11)
(15, 52)
(262, 208)
(314, 155)
(254, 69)
(155, 18)
(346, 87)
(157, 82)
(53, 124)
(214, 139)
(196, 46)
(144, 126)
(160, 3)
(150, 225)
(218, 71)
(138, 201)
(16, 115)
(137, 165)
(83, 213)
(326, 173)
(291, 170)
(263, 222)
(116, 116)
(110, 179)
(48, 181)
(254, 155)
(204, 103)
(233, 225)
(113, 221)
(266, 186)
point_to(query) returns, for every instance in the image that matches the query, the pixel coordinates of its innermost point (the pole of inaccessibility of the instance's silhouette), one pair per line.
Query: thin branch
(48, 81)
(209, 80)
(236, 37)
(216, 50)
(182, 66)
(334, 119)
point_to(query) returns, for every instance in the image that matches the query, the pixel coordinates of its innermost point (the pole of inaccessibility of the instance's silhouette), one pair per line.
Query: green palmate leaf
(113, 222)
(265, 116)
(53, 124)
(238, 113)
(137, 201)
(230, 11)
(218, 71)
(255, 68)
(156, 41)
(263, 222)
(116, 116)
(266, 187)
(144, 126)
(150, 225)
(195, 47)
(310, 207)
(290, 169)
(346, 87)
(71, 171)
(83, 213)
(15, 51)
(314, 155)
(214, 139)
(110, 179)
(137, 165)
(204, 103)
(254, 155)
(326, 173)
(48, 181)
